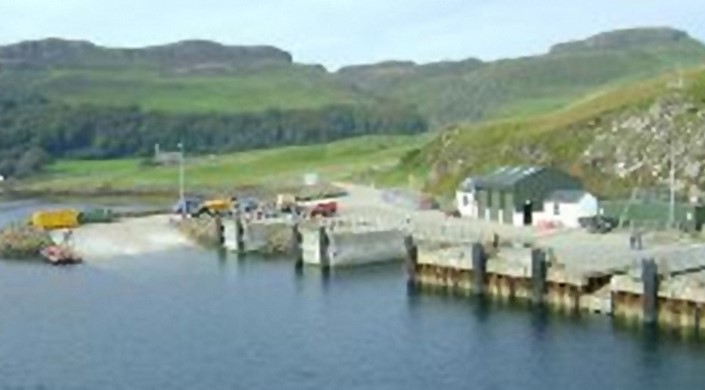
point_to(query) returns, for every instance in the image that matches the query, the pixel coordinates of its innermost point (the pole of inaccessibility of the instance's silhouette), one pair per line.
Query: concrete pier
(335, 247)
(667, 289)
(522, 274)
(262, 236)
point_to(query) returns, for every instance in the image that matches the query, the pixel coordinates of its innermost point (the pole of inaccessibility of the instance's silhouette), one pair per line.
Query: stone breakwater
(22, 241)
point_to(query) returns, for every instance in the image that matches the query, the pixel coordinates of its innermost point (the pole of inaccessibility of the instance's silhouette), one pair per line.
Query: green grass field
(343, 160)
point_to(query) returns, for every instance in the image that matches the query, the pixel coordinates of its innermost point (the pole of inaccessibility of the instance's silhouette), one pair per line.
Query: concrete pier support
(297, 246)
(649, 277)
(479, 269)
(219, 231)
(323, 246)
(412, 260)
(239, 235)
(538, 276)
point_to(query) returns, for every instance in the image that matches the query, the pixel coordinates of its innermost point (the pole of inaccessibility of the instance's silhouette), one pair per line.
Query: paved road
(574, 247)
(368, 203)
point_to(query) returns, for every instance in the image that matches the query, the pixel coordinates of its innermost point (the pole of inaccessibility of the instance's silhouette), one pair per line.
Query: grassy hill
(75, 100)
(561, 139)
(473, 91)
(204, 77)
(190, 76)
(282, 87)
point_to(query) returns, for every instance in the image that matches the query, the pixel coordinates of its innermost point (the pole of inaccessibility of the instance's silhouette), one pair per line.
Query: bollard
(297, 246)
(412, 252)
(649, 278)
(219, 230)
(323, 245)
(479, 268)
(239, 235)
(538, 275)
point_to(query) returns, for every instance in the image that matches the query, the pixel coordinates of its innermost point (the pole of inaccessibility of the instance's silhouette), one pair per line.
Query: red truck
(327, 209)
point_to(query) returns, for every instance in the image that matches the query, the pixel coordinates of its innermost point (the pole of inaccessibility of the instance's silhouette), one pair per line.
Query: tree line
(35, 130)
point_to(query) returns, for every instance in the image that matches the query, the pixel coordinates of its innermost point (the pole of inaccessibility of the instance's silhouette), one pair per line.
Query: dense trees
(33, 130)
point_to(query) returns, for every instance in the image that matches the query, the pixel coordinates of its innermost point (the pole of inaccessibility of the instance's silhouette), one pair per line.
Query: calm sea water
(196, 320)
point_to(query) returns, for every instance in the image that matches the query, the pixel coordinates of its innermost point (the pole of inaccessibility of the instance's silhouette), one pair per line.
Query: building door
(482, 200)
(528, 213)
(495, 205)
(509, 208)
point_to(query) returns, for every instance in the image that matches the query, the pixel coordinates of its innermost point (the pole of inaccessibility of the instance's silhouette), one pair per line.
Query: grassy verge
(280, 167)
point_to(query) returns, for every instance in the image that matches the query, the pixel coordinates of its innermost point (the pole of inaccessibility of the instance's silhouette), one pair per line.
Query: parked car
(327, 209)
(247, 205)
(188, 206)
(598, 223)
(453, 214)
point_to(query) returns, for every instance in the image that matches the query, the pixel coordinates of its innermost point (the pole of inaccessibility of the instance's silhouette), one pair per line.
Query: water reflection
(222, 256)
(174, 321)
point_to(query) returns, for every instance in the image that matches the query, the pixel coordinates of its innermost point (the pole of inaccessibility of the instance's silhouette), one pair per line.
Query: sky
(345, 32)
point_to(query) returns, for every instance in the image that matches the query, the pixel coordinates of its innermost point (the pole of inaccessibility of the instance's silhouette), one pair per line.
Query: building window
(556, 208)
(465, 200)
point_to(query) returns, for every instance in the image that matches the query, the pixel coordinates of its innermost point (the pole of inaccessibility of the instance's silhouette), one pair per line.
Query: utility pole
(672, 181)
(672, 159)
(182, 200)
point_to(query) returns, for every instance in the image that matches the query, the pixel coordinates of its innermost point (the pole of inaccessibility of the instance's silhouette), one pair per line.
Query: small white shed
(565, 207)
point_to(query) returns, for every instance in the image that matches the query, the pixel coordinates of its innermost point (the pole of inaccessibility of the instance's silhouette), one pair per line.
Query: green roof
(505, 177)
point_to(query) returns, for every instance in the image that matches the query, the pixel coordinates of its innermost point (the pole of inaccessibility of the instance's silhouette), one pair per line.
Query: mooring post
(297, 245)
(649, 277)
(538, 275)
(239, 234)
(219, 230)
(323, 245)
(479, 268)
(412, 258)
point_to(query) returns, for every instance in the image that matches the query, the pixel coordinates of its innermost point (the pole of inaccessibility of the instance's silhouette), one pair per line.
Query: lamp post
(182, 200)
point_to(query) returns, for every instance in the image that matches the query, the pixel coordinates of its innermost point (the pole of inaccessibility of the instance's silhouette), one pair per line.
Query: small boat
(59, 255)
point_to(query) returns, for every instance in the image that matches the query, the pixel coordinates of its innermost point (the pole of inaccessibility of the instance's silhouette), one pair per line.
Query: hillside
(190, 76)
(614, 140)
(473, 91)
(73, 99)
(202, 77)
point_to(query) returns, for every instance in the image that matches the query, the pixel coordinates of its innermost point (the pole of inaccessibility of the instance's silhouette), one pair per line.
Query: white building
(565, 207)
(525, 196)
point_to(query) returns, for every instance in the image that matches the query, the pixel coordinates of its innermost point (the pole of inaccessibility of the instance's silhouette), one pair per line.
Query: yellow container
(55, 219)
(218, 204)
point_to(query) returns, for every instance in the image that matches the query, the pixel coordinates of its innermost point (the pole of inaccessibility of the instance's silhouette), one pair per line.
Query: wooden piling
(323, 246)
(219, 231)
(538, 276)
(239, 234)
(412, 252)
(479, 269)
(649, 277)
